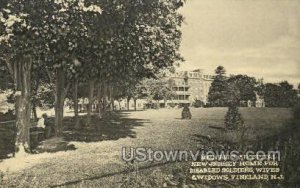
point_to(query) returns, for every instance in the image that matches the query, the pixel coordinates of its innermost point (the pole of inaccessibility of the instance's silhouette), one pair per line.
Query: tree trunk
(91, 101)
(34, 110)
(165, 103)
(128, 99)
(59, 101)
(99, 96)
(112, 103)
(112, 98)
(22, 76)
(134, 100)
(107, 103)
(119, 105)
(109, 97)
(75, 99)
(33, 98)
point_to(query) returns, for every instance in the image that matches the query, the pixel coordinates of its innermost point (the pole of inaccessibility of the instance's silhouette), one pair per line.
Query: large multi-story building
(191, 86)
(188, 87)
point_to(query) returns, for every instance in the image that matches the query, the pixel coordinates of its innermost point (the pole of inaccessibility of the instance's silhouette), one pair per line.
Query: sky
(260, 38)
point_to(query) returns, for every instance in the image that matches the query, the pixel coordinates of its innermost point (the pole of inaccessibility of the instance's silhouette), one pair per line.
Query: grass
(97, 162)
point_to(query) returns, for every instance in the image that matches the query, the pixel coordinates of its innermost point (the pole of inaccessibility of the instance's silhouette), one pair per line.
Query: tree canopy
(116, 43)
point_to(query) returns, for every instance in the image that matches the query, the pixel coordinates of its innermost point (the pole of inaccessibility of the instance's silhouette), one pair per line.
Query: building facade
(191, 86)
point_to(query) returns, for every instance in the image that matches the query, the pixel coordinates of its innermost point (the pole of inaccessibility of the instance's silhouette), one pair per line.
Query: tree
(280, 95)
(33, 30)
(220, 70)
(288, 94)
(143, 40)
(233, 118)
(245, 85)
(159, 89)
(127, 41)
(218, 91)
(133, 91)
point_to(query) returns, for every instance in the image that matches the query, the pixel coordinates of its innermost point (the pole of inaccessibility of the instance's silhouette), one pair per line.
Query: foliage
(8, 116)
(218, 91)
(286, 141)
(233, 118)
(238, 88)
(43, 88)
(160, 89)
(186, 113)
(220, 70)
(198, 103)
(44, 34)
(169, 176)
(114, 42)
(5, 77)
(136, 40)
(48, 29)
(280, 95)
(129, 41)
(245, 85)
(233, 94)
(296, 112)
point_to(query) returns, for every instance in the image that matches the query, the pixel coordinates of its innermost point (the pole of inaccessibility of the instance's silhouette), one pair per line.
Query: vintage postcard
(149, 93)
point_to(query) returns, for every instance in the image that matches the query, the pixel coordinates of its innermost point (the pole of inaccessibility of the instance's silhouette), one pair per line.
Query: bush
(287, 142)
(198, 104)
(8, 116)
(207, 105)
(186, 113)
(233, 119)
(172, 105)
(296, 112)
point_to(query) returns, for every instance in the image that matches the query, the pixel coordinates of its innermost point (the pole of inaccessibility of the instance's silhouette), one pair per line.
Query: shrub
(198, 104)
(233, 119)
(172, 105)
(186, 113)
(296, 112)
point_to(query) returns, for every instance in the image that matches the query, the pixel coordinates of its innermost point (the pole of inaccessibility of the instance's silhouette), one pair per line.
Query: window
(181, 97)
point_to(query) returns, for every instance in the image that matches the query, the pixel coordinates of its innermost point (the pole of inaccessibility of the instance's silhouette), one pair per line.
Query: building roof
(196, 74)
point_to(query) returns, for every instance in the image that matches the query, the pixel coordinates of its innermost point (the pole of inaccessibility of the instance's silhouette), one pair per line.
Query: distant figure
(186, 113)
(41, 122)
(44, 125)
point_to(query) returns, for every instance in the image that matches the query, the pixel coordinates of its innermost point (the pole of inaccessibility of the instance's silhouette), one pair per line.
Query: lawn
(97, 162)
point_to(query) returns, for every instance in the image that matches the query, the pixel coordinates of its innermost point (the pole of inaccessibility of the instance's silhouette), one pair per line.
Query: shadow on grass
(112, 127)
(121, 172)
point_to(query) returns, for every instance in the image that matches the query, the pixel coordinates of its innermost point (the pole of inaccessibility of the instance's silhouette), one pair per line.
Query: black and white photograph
(149, 93)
